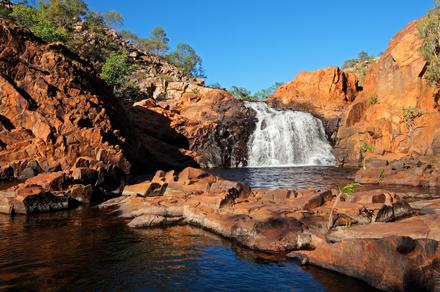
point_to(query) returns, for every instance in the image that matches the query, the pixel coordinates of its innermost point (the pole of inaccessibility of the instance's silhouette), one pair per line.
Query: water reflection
(288, 177)
(88, 249)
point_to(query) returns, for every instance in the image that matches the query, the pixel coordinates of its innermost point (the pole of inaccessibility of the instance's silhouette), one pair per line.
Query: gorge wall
(54, 109)
(391, 124)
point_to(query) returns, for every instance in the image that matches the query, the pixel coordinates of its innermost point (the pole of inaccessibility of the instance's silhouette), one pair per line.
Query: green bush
(374, 100)
(366, 147)
(410, 114)
(186, 60)
(348, 189)
(115, 71)
(429, 28)
(360, 65)
(242, 93)
(39, 22)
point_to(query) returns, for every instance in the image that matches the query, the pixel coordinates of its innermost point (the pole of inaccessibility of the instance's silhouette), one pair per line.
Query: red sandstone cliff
(325, 93)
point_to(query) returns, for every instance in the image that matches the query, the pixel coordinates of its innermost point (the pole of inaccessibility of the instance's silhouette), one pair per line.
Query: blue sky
(254, 43)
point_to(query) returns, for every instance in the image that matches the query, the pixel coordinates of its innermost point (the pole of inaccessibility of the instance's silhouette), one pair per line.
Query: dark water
(91, 249)
(288, 177)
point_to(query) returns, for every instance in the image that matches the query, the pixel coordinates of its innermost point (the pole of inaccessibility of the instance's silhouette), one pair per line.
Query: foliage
(348, 189)
(39, 22)
(95, 44)
(344, 192)
(267, 92)
(410, 114)
(215, 85)
(115, 71)
(4, 11)
(113, 19)
(157, 43)
(374, 100)
(242, 93)
(360, 65)
(429, 29)
(187, 61)
(366, 147)
(382, 173)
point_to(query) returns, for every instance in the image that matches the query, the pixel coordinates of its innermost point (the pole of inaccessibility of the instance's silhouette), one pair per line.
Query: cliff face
(53, 110)
(216, 124)
(398, 114)
(324, 93)
(395, 115)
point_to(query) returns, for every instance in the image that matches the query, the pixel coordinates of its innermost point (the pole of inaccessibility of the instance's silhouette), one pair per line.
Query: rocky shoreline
(369, 225)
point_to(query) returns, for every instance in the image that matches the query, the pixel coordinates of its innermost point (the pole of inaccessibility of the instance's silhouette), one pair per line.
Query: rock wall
(324, 93)
(53, 110)
(216, 124)
(390, 127)
(380, 116)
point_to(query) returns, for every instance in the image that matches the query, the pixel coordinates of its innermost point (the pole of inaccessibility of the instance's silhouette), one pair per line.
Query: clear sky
(254, 43)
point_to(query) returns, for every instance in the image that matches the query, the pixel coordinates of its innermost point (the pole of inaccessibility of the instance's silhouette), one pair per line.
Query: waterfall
(287, 138)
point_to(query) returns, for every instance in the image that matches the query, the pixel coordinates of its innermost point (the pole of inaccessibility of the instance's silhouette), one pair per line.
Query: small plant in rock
(344, 193)
(410, 114)
(195, 91)
(381, 174)
(374, 100)
(364, 149)
(165, 77)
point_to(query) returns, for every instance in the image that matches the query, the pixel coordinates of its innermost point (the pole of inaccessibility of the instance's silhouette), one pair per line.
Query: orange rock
(325, 93)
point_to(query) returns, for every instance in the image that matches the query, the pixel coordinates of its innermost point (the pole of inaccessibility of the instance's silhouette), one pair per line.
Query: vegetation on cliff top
(245, 94)
(71, 22)
(359, 65)
(429, 29)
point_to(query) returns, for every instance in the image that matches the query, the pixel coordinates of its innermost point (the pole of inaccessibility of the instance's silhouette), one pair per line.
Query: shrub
(187, 61)
(410, 114)
(265, 93)
(429, 28)
(360, 65)
(364, 148)
(344, 192)
(242, 93)
(374, 100)
(38, 21)
(348, 189)
(115, 71)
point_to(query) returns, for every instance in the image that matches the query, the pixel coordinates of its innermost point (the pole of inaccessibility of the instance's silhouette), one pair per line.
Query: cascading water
(287, 138)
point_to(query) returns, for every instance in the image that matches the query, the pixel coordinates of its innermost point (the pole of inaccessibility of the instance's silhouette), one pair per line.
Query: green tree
(186, 59)
(242, 93)
(38, 22)
(113, 19)
(360, 65)
(265, 93)
(157, 43)
(429, 29)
